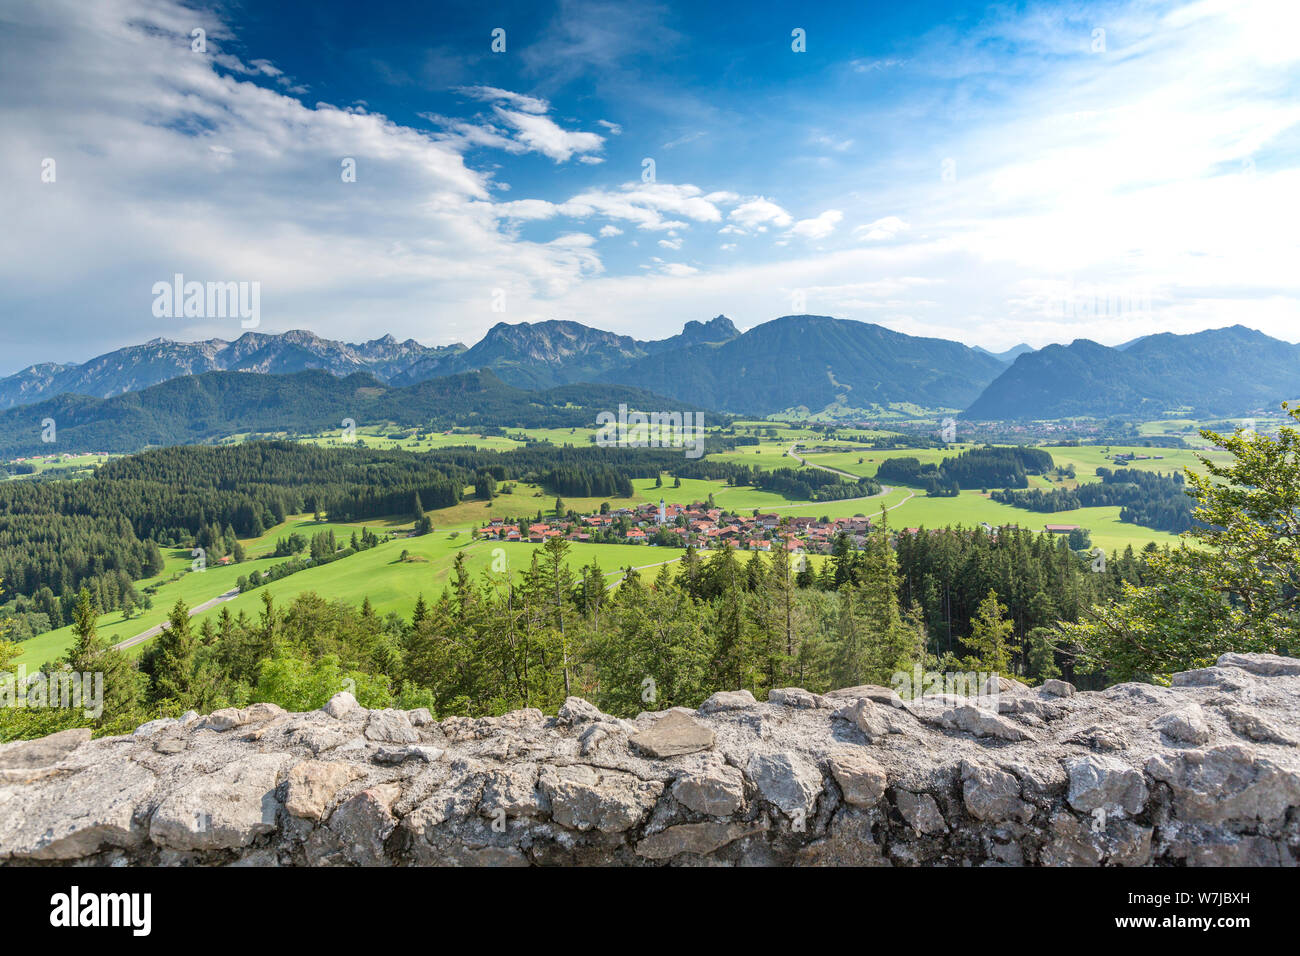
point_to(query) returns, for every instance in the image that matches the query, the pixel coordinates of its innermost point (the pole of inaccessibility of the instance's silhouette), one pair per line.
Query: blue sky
(991, 173)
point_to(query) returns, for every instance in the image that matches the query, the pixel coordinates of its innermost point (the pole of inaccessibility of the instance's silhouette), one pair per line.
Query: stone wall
(1205, 772)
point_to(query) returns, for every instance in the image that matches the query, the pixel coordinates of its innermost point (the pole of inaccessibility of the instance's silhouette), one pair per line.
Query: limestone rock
(983, 723)
(787, 782)
(1102, 782)
(231, 718)
(1120, 777)
(356, 831)
(342, 705)
(313, 784)
(1090, 843)
(698, 838)
(584, 798)
(153, 726)
(74, 814)
(391, 726)
(1057, 688)
(874, 720)
(859, 776)
(920, 811)
(995, 685)
(575, 710)
(992, 795)
(873, 692)
(798, 697)
(511, 790)
(672, 735)
(715, 790)
(1265, 665)
(727, 700)
(420, 717)
(390, 756)
(227, 808)
(848, 842)
(1187, 725)
(1230, 782)
(1254, 726)
(42, 752)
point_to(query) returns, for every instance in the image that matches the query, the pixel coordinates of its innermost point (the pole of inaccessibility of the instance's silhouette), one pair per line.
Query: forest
(1003, 466)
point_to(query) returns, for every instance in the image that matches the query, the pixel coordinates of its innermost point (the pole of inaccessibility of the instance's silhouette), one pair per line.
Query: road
(884, 489)
(155, 631)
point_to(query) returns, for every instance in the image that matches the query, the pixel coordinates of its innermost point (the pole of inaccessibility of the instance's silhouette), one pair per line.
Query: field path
(813, 464)
(622, 572)
(157, 629)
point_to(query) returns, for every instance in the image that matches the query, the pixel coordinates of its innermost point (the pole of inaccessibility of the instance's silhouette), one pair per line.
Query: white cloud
(684, 139)
(519, 101)
(645, 204)
(547, 137)
(819, 227)
(678, 270)
(607, 231)
(760, 212)
(872, 66)
(881, 229)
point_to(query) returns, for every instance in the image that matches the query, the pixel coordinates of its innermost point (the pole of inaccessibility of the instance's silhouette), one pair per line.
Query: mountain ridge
(1229, 371)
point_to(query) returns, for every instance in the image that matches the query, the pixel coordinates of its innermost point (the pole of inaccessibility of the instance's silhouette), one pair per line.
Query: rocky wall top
(1204, 772)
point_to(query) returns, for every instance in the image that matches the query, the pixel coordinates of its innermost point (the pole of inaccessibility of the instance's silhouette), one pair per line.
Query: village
(677, 525)
(698, 525)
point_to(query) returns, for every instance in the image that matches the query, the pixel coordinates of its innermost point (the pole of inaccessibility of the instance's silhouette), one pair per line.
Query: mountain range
(213, 405)
(539, 355)
(1231, 371)
(140, 366)
(795, 363)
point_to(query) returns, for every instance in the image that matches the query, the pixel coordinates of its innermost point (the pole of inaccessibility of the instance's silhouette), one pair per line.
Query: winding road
(884, 489)
(158, 628)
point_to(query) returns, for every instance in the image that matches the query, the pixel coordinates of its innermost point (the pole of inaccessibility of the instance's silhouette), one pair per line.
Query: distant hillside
(140, 366)
(199, 408)
(1232, 371)
(813, 361)
(1010, 355)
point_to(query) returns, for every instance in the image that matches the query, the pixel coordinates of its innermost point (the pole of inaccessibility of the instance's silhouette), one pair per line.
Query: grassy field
(192, 586)
(392, 584)
(1088, 458)
(525, 501)
(67, 466)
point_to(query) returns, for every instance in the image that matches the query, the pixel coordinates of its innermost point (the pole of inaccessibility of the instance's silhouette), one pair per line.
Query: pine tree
(92, 654)
(990, 635)
(172, 658)
(559, 585)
